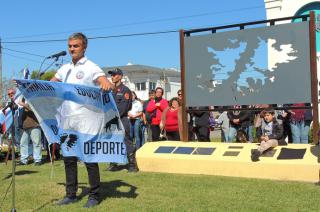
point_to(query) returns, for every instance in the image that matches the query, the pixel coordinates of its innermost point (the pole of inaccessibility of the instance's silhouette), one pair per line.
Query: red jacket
(156, 112)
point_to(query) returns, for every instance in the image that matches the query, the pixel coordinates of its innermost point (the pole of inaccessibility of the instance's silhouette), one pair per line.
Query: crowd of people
(240, 125)
(157, 119)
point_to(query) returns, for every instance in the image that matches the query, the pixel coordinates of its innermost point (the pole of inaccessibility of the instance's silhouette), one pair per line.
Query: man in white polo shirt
(79, 71)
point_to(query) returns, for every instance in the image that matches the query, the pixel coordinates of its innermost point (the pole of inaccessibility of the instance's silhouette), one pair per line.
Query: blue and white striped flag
(83, 119)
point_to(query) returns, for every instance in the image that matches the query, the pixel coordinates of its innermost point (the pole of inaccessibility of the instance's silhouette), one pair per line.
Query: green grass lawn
(38, 188)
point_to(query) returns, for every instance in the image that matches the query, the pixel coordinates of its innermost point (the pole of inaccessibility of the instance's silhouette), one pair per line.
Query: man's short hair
(152, 92)
(80, 36)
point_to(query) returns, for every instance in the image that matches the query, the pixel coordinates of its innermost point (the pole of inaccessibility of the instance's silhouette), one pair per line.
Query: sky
(34, 20)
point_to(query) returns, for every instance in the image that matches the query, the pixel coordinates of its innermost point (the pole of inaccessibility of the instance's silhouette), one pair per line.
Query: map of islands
(245, 65)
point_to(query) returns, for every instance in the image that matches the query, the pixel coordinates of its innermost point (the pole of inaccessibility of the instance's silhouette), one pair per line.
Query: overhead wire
(20, 57)
(24, 58)
(93, 38)
(109, 36)
(23, 52)
(142, 22)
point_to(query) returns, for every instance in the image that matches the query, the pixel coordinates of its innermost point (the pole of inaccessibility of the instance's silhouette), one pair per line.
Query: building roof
(144, 69)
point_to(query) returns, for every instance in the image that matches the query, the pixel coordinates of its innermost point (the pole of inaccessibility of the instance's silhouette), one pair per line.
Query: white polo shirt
(84, 72)
(73, 115)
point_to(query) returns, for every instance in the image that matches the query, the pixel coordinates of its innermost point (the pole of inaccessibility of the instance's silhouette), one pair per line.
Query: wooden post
(183, 89)
(314, 78)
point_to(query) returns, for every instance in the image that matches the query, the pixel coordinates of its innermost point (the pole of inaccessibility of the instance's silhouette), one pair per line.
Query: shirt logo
(80, 75)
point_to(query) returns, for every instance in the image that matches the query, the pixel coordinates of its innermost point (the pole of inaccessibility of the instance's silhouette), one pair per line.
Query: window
(141, 86)
(152, 86)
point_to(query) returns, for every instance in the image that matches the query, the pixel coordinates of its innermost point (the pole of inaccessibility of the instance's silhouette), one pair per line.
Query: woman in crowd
(300, 120)
(135, 115)
(155, 108)
(170, 120)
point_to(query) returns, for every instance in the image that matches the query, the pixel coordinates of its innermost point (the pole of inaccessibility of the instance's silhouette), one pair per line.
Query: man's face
(76, 49)
(151, 95)
(158, 93)
(11, 94)
(180, 95)
(116, 78)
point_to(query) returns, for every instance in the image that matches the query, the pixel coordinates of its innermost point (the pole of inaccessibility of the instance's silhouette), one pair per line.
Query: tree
(46, 76)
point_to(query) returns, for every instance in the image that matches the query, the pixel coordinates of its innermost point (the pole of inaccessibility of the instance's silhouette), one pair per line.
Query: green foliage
(46, 76)
(34, 74)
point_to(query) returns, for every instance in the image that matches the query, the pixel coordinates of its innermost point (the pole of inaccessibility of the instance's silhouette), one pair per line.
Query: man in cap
(123, 98)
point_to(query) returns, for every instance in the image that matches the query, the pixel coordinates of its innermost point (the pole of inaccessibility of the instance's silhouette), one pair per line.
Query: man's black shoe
(91, 203)
(255, 154)
(67, 200)
(132, 168)
(113, 167)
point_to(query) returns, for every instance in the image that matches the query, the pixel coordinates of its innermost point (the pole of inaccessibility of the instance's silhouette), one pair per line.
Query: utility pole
(1, 85)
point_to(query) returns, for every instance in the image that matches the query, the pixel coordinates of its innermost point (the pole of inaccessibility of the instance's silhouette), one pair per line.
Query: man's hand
(284, 114)
(15, 83)
(104, 83)
(54, 79)
(236, 121)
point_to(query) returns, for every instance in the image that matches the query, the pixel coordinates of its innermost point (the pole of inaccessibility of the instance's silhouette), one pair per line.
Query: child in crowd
(270, 134)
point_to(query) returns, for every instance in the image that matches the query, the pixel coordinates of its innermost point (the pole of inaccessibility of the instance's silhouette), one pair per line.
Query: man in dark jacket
(239, 122)
(123, 98)
(201, 122)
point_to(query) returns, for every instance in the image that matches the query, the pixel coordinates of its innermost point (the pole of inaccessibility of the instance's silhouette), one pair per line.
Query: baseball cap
(116, 71)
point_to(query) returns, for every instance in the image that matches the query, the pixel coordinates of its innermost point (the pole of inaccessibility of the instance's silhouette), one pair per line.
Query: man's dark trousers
(131, 148)
(71, 169)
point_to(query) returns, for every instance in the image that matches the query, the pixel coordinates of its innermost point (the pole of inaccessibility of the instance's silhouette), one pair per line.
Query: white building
(142, 79)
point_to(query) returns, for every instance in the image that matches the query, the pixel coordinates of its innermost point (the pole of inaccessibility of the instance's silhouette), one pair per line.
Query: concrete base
(228, 160)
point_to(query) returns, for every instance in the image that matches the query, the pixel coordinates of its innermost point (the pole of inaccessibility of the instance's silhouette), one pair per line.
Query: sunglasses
(179, 94)
(9, 94)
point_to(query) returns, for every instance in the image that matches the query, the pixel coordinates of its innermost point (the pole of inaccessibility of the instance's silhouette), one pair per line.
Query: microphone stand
(13, 160)
(11, 145)
(42, 72)
(11, 106)
(39, 74)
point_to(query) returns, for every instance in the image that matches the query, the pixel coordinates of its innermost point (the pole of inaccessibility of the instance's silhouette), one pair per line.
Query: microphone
(63, 53)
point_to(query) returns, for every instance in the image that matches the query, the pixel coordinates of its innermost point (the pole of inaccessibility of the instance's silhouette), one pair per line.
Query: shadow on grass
(110, 190)
(20, 173)
(45, 204)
